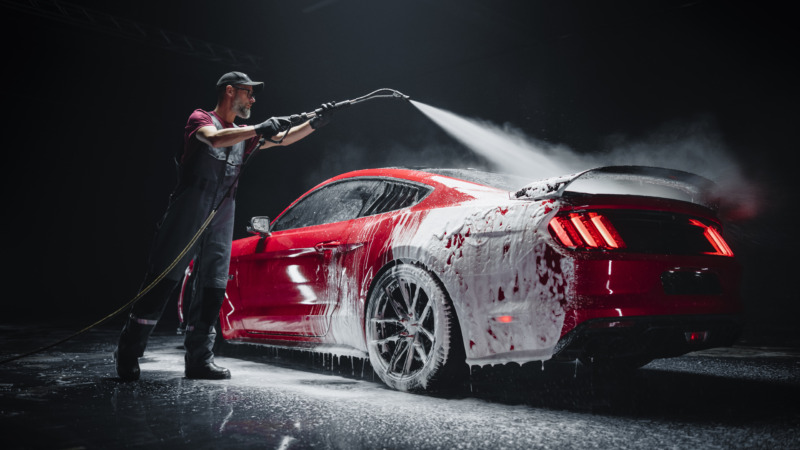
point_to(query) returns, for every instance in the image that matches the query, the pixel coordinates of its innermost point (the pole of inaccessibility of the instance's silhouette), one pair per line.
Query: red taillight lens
(587, 231)
(564, 231)
(650, 234)
(610, 236)
(715, 238)
(696, 336)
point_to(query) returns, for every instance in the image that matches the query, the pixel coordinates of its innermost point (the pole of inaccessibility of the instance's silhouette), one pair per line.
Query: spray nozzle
(399, 94)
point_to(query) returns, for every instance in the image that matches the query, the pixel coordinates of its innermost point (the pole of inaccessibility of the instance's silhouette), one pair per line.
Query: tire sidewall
(422, 379)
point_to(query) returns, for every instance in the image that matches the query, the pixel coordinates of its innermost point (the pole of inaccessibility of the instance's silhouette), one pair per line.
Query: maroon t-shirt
(199, 119)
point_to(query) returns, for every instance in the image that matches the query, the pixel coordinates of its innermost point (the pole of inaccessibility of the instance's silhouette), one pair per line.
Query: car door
(366, 248)
(290, 286)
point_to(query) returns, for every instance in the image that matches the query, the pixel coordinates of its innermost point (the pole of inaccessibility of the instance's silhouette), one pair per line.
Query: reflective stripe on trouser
(143, 318)
(141, 321)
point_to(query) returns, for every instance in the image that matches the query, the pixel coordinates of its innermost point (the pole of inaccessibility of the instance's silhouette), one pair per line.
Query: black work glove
(273, 126)
(323, 116)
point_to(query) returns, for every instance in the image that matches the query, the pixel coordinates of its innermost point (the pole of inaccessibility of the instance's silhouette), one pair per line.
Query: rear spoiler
(626, 180)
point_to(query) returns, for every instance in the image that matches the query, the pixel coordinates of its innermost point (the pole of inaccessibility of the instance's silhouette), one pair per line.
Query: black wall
(92, 118)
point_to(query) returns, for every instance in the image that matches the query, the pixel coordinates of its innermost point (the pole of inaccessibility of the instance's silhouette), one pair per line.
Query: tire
(413, 336)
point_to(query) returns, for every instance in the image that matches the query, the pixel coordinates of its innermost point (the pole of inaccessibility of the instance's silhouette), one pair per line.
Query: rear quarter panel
(494, 261)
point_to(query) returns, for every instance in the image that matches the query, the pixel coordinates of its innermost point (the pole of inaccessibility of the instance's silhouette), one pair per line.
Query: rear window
(395, 195)
(690, 188)
(502, 181)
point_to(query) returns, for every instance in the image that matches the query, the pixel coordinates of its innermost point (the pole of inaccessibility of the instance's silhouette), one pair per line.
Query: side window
(335, 202)
(395, 196)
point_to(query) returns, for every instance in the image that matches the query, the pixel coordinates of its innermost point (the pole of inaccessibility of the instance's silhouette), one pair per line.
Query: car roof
(438, 176)
(663, 183)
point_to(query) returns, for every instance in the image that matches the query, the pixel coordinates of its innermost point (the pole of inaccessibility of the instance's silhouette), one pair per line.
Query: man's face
(242, 101)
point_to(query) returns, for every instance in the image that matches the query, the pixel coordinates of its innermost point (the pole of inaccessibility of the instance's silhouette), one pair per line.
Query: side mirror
(259, 225)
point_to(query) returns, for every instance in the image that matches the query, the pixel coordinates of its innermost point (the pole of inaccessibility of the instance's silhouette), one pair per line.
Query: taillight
(714, 238)
(586, 231)
(650, 233)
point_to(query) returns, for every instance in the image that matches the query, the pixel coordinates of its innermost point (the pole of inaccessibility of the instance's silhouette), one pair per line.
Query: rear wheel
(413, 336)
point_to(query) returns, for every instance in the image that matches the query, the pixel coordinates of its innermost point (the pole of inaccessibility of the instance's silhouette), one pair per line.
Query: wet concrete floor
(69, 397)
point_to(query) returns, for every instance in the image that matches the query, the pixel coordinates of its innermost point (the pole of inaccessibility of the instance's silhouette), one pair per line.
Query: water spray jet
(693, 147)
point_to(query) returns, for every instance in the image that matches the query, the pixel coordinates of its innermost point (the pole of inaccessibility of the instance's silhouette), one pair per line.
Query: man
(213, 154)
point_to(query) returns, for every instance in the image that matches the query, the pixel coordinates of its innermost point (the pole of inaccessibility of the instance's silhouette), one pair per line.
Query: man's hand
(273, 126)
(324, 116)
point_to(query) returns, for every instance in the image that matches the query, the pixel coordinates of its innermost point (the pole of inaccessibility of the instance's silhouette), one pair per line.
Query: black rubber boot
(140, 324)
(127, 367)
(132, 342)
(200, 336)
(208, 371)
(199, 357)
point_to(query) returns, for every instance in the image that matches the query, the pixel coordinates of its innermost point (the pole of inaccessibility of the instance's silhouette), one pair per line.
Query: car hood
(626, 180)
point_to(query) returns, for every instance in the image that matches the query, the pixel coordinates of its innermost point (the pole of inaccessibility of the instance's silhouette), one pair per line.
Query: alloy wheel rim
(403, 327)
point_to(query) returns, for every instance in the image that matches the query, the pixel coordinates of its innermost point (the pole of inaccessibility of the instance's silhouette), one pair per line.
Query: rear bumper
(649, 336)
(651, 286)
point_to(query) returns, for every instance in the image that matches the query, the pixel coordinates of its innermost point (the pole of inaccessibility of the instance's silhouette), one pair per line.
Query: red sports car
(426, 272)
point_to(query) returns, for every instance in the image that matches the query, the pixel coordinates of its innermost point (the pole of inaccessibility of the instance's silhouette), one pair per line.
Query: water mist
(693, 146)
(507, 151)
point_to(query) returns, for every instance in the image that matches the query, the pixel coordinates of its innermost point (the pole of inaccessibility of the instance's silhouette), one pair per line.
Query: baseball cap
(239, 78)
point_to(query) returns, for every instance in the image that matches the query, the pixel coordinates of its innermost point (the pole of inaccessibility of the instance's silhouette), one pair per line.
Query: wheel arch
(398, 261)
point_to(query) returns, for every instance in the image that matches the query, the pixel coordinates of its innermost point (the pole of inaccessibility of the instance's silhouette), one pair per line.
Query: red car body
(423, 271)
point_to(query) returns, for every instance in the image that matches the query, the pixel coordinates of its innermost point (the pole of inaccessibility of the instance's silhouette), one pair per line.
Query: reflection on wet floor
(69, 396)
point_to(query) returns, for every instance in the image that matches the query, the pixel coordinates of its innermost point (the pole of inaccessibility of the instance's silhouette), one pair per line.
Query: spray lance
(380, 93)
(293, 120)
(297, 119)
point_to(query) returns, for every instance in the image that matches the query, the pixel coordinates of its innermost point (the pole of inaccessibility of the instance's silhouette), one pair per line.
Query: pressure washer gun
(297, 119)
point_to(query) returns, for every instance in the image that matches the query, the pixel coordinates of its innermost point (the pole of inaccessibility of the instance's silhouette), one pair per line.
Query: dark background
(96, 101)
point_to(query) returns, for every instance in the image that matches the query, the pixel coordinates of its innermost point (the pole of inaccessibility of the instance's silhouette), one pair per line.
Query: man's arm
(225, 137)
(230, 136)
(295, 134)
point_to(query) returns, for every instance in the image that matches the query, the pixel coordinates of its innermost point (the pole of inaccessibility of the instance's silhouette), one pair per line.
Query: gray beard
(241, 109)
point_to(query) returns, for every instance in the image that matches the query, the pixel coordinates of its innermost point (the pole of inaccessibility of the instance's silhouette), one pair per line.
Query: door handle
(330, 245)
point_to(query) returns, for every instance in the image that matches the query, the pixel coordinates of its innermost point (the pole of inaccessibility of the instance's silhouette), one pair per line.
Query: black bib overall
(205, 180)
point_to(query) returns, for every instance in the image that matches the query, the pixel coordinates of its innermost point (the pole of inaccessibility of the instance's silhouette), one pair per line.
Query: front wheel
(413, 335)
